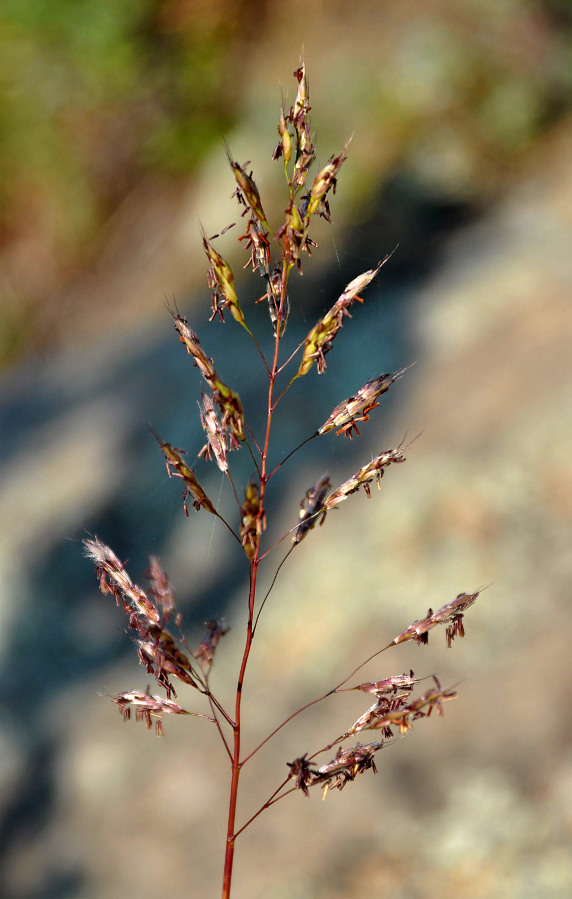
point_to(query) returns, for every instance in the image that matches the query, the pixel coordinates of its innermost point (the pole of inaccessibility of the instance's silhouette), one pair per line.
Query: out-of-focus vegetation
(94, 94)
(98, 95)
(96, 91)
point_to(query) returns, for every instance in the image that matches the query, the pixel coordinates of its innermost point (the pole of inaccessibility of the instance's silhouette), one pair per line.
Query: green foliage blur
(95, 91)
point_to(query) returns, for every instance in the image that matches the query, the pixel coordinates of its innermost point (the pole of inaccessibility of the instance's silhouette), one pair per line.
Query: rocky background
(113, 119)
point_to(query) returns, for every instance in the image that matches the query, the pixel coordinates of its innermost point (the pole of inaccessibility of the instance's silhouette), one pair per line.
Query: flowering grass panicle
(275, 252)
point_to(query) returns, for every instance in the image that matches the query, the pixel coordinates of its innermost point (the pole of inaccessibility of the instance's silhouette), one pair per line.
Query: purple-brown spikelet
(114, 579)
(299, 118)
(357, 408)
(320, 339)
(257, 242)
(147, 708)
(227, 399)
(390, 684)
(450, 614)
(325, 180)
(311, 507)
(373, 470)
(206, 651)
(160, 587)
(220, 279)
(215, 447)
(178, 468)
(158, 650)
(247, 191)
(284, 148)
(253, 520)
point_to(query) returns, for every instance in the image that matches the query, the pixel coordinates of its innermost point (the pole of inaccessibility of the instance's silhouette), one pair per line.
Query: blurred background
(112, 118)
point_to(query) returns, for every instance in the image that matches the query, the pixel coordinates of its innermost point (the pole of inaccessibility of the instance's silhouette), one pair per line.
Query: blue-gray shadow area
(153, 384)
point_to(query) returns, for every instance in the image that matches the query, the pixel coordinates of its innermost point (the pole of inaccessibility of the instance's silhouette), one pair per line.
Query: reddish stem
(235, 758)
(236, 765)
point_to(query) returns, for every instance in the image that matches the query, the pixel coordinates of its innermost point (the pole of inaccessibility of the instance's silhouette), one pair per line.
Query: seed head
(278, 303)
(299, 116)
(357, 408)
(284, 148)
(114, 579)
(159, 653)
(205, 652)
(227, 399)
(304, 772)
(450, 614)
(311, 507)
(390, 684)
(147, 707)
(247, 191)
(160, 587)
(319, 340)
(178, 468)
(363, 477)
(187, 336)
(346, 765)
(216, 438)
(157, 649)
(253, 521)
(220, 279)
(293, 235)
(257, 241)
(400, 711)
(325, 180)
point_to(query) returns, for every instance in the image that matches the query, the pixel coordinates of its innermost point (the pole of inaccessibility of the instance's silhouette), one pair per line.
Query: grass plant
(393, 702)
